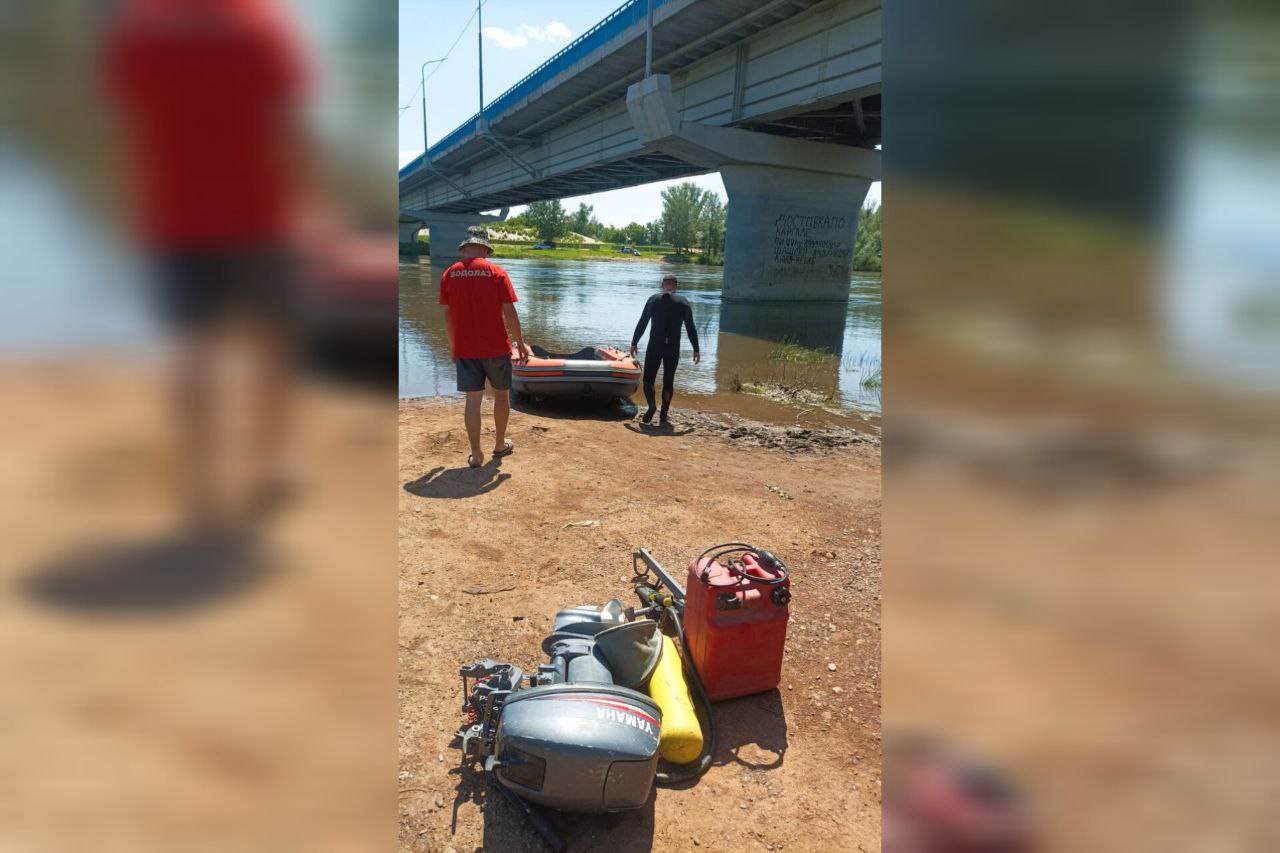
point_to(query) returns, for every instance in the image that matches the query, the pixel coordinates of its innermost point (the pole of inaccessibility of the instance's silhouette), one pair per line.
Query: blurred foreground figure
(937, 801)
(228, 686)
(1080, 516)
(208, 90)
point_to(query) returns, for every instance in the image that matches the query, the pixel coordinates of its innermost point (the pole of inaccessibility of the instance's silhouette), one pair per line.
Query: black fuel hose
(728, 549)
(695, 769)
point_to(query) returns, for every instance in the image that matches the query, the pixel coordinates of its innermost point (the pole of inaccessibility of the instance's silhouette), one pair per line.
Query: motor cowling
(577, 747)
(567, 736)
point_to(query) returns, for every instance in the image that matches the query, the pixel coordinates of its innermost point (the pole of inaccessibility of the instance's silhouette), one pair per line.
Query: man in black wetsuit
(667, 311)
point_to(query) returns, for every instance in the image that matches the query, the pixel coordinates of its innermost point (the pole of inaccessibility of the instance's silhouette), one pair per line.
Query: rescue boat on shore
(599, 372)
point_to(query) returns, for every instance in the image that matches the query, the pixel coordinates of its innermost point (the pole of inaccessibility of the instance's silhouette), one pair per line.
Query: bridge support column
(450, 229)
(409, 231)
(790, 233)
(793, 204)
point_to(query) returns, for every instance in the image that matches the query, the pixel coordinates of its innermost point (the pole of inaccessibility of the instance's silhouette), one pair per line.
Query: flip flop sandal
(507, 448)
(471, 462)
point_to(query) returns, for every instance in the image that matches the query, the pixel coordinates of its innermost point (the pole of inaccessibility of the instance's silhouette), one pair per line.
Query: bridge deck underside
(806, 69)
(627, 172)
(697, 32)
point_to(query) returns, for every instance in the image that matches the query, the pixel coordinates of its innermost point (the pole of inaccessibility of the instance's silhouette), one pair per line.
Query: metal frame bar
(430, 167)
(669, 581)
(509, 154)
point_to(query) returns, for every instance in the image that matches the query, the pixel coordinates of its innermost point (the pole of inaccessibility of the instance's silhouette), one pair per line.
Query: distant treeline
(866, 248)
(692, 218)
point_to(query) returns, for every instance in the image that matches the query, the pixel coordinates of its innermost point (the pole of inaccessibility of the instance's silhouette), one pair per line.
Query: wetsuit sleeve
(690, 327)
(644, 321)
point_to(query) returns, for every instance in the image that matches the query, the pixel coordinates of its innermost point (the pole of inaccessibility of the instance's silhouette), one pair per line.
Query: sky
(518, 37)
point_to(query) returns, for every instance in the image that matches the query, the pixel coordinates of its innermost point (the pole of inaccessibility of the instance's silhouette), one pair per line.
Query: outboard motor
(579, 735)
(576, 735)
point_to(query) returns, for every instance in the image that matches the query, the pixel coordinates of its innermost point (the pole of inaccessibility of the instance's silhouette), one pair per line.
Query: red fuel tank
(735, 622)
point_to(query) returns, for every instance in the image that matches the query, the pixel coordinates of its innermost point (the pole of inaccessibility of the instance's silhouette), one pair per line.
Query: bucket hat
(477, 235)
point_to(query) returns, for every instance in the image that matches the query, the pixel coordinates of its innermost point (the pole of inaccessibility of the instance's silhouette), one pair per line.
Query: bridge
(782, 97)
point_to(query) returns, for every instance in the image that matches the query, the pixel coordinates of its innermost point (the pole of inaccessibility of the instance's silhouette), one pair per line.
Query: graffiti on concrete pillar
(815, 244)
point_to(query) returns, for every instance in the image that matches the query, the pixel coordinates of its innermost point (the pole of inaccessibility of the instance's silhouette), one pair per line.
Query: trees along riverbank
(690, 230)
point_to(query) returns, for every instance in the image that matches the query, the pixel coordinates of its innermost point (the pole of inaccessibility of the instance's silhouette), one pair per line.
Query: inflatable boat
(600, 372)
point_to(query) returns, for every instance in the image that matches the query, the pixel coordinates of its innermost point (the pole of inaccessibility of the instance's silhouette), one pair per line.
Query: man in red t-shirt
(479, 307)
(209, 94)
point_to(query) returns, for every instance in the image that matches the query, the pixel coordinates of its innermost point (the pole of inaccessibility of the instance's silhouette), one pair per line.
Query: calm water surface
(566, 305)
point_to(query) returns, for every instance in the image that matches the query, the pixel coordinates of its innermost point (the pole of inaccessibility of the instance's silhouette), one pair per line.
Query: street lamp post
(423, 74)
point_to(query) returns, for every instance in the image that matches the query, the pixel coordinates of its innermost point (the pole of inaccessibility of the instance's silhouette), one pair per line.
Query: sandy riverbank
(554, 524)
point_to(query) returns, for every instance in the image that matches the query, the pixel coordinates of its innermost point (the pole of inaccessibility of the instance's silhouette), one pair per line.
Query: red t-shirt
(208, 92)
(475, 291)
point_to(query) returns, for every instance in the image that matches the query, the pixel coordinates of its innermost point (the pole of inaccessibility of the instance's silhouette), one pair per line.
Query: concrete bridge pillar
(793, 204)
(409, 231)
(447, 230)
(790, 233)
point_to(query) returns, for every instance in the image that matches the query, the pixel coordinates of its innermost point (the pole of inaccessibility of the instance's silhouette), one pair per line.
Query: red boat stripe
(612, 704)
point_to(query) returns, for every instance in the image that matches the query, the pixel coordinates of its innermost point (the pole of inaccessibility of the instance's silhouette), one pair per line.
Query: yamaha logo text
(626, 719)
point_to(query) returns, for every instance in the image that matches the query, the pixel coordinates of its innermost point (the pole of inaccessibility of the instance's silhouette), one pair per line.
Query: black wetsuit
(667, 311)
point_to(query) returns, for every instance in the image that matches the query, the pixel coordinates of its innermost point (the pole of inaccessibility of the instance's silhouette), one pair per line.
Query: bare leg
(501, 414)
(471, 417)
(193, 398)
(273, 404)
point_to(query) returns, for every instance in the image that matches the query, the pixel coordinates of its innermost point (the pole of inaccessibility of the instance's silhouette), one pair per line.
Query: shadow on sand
(656, 430)
(752, 731)
(175, 572)
(507, 828)
(464, 482)
(575, 409)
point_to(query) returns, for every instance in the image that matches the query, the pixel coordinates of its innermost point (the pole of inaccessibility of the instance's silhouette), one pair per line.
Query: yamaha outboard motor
(576, 735)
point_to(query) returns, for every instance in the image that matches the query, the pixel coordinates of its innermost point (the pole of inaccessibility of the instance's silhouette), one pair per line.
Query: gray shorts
(472, 372)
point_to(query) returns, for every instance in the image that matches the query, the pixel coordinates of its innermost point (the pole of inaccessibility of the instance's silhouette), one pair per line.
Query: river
(828, 349)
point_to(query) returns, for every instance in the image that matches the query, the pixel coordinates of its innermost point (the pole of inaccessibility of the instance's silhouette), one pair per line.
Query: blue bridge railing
(629, 13)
